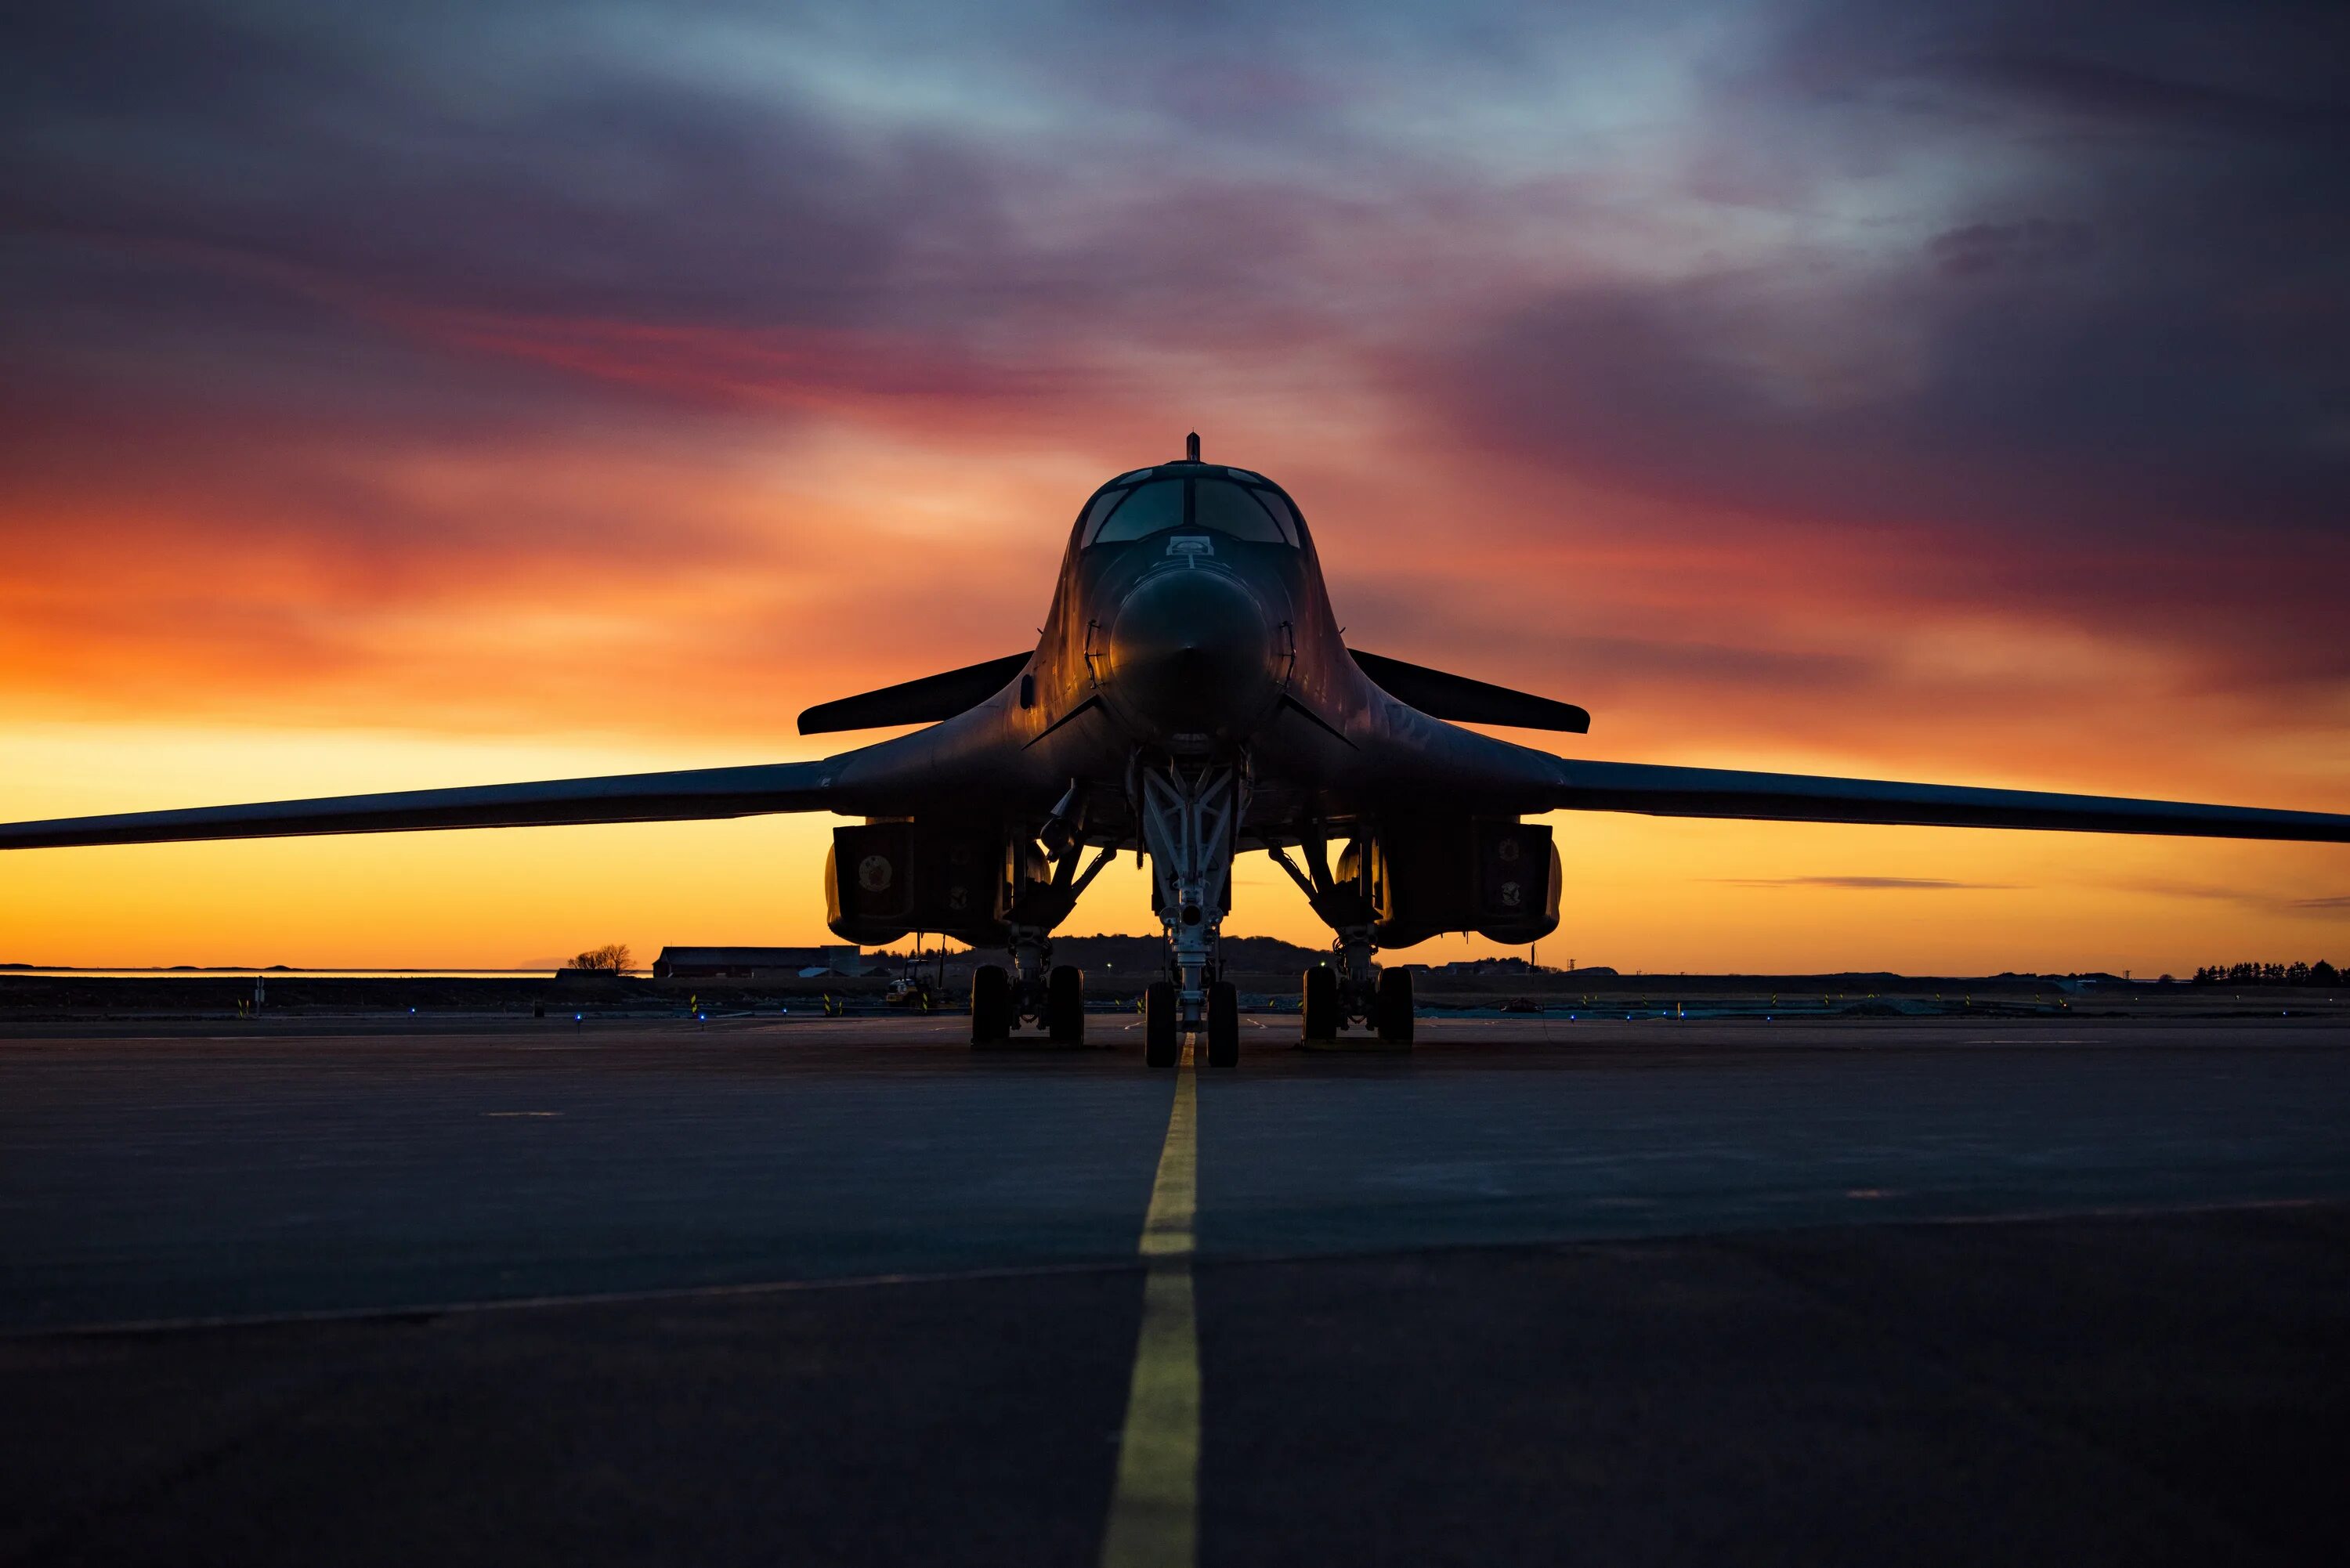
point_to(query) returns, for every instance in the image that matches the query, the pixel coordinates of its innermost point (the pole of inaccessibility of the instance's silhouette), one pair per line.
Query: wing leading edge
(1659, 791)
(622, 798)
(1648, 788)
(1441, 695)
(928, 701)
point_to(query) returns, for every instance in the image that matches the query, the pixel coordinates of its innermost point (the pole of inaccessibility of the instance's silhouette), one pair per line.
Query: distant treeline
(2318, 973)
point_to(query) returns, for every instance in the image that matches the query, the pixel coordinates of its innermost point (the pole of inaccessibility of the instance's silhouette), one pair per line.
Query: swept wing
(1661, 791)
(622, 798)
(1441, 695)
(928, 700)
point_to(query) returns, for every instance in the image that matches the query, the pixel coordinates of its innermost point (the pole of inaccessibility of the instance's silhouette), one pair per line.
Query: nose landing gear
(1190, 822)
(1223, 1025)
(1162, 1024)
(1163, 1028)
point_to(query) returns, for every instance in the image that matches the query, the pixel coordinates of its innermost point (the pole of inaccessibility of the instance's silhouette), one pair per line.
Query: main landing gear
(1059, 1009)
(1035, 989)
(1353, 989)
(1189, 821)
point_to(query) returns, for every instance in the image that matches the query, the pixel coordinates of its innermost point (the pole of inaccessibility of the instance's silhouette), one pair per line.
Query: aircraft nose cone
(1191, 657)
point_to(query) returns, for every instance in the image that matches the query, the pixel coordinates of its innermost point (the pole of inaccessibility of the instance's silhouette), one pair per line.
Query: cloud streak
(1869, 884)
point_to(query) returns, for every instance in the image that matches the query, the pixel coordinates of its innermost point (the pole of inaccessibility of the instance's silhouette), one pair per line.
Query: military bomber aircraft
(1190, 700)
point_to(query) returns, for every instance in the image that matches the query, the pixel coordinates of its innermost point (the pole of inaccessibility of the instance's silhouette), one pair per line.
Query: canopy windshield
(1229, 502)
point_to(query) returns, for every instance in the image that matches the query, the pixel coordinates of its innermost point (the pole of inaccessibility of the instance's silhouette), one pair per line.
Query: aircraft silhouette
(1190, 698)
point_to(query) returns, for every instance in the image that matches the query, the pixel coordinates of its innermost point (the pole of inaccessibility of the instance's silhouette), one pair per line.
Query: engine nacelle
(1500, 879)
(886, 879)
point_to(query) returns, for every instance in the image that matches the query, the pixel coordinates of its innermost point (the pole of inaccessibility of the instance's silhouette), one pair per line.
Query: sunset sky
(430, 394)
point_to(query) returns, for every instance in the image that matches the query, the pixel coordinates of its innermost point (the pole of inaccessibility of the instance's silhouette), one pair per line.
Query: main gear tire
(1162, 1031)
(1395, 1006)
(1318, 1016)
(1065, 1005)
(990, 1005)
(1223, 1025)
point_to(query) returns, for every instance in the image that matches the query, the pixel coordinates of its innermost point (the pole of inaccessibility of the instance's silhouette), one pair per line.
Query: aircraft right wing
(624, 797)
(1441, 695)
(1661, 791)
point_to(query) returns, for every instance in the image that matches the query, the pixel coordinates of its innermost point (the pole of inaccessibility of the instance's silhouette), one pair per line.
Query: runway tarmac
(842, 1291)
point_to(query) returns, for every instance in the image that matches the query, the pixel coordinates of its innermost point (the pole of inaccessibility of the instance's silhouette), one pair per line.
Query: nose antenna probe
(1191, 447)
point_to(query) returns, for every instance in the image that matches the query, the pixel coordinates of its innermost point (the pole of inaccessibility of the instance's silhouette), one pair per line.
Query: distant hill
(1134, 955)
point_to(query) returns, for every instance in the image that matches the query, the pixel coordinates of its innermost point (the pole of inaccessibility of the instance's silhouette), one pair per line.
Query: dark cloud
(2265, 900)
(2099, 91)
(2034, 243)
(1406, 616)
(2229, 230)
(456, 221)
(346, 165)
(1950, 304)
(2105, 386)
(442, 224)
(2007, 378)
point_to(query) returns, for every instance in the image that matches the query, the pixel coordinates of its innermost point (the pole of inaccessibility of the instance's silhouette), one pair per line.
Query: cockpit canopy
(1232, 501)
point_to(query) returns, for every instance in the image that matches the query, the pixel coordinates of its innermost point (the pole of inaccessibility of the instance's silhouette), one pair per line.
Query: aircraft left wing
(624, 797)
(928, 701)
(1661, 791)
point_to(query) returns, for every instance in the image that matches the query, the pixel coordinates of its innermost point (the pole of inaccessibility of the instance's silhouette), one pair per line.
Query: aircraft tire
(1223, 1025)
(1395, 1006)
(1318, 1017)
(1162, 1039)
(1065, 1005)
(991, 1004)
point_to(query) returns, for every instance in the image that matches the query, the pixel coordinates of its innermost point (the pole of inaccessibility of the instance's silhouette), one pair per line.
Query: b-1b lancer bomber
(1190, 700)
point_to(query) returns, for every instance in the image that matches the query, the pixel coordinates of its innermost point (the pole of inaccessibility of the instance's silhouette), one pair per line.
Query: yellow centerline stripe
(1174, 1197)
(1154, 1510)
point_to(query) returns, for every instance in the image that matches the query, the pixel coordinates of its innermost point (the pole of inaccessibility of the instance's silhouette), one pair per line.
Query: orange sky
(1874, 417)
(200, 670)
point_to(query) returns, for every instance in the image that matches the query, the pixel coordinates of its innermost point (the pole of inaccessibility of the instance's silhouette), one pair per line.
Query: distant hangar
(758, 963)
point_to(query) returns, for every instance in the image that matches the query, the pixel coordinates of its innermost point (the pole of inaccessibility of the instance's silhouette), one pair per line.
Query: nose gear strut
(1189, 821)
